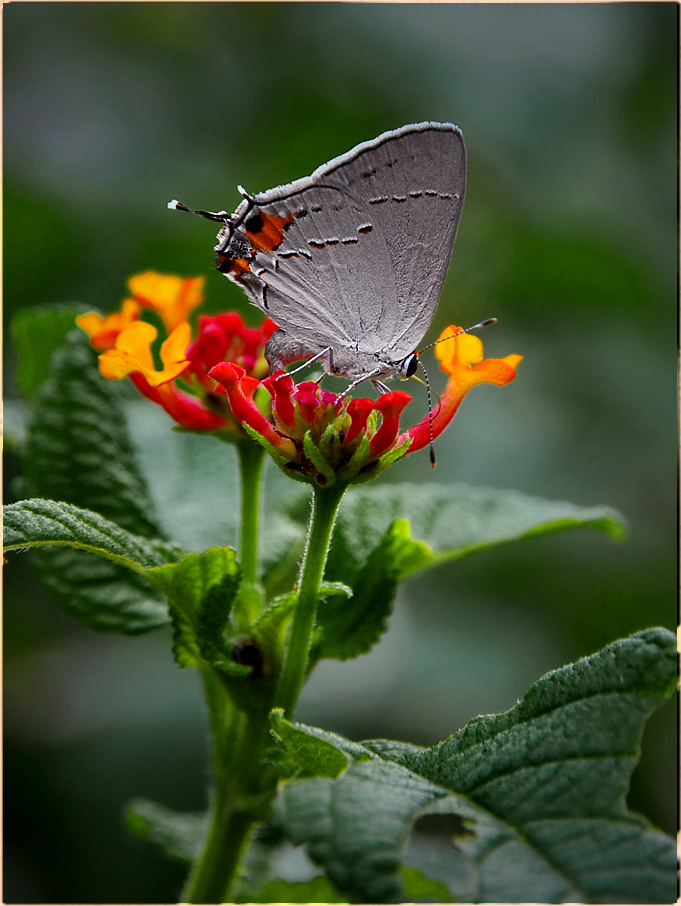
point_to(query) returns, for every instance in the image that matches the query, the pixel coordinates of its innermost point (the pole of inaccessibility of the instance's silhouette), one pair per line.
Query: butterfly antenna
(247, 195)
(478, 326)
(217, 216)
(431, 445)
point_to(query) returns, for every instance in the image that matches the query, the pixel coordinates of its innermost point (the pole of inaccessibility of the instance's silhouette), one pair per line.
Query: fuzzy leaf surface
(314, 752)
(51, 523)
(84, 570)
(539, 791)
(37, 333)
(78, 449)
(348, 626)
(201, 589)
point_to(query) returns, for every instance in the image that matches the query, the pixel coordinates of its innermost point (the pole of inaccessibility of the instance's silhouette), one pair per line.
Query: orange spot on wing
(271, 235)
(235, 266)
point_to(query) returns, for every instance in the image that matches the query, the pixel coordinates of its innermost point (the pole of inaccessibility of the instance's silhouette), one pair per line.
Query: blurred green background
(568, 236)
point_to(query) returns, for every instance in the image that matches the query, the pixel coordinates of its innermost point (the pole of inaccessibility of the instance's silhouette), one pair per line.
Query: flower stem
(237, 738)
(214, 871)
(250, 467)
(325, 502)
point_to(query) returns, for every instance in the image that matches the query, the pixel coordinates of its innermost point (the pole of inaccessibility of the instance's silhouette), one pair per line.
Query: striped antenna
(485, 323)
(218, 216)
(431, 445)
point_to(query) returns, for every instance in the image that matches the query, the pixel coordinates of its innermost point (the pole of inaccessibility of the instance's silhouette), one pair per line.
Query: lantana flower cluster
(216, 379)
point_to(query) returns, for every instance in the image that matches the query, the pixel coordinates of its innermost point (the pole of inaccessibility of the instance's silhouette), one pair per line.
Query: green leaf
(449, 522)
(78, 450)
(473, 518)
(355, 826)
(419, 888)
(271, 626)
(316, 890)
(313, 755)
(348, 626)
(179, 834)
(538, 792)
(37, 333)
(88, 585)
(50, 523)
(387, 533)
(201, 589)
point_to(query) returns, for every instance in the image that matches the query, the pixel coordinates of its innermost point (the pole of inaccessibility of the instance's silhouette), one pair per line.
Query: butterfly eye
(409, 365)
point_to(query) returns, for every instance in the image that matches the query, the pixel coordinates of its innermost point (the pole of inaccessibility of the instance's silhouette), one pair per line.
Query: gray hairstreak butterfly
(349, 262)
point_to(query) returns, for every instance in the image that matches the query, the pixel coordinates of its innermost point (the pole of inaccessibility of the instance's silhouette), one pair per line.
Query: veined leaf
(92, 554)
(387, 533)
(449, 522)
(349, 625)
(51, 523)
(77, 449)
(312, 753)
(37, 333)
(201, 589)
(539, 792)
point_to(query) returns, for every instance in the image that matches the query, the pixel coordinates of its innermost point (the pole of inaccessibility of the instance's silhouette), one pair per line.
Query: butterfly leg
(381, 387)
(281, 351)
(360, 380)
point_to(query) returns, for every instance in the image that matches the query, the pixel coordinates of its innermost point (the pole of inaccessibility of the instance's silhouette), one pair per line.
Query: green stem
(214, 871)
(237, 738)
(325, 502)
(250, 466)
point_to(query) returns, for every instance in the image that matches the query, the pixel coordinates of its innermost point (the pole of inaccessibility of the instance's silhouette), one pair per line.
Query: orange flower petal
(173, 298)
(461, 357)
(104, 329)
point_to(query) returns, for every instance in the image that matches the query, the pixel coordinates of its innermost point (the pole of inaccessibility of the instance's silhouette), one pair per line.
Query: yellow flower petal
(132, 354)
(174, 348)
(104, 329)
(173, 298)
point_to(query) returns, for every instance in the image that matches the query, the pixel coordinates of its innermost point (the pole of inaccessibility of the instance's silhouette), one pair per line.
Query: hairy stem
(250, 467)
(236, 739)
(325, 502)
(248, 605)
(235, 736)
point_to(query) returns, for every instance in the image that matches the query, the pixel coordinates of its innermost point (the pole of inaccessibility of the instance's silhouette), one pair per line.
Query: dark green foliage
(540, 790)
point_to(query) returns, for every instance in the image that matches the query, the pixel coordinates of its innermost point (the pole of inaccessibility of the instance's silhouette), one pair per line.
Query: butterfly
(349, 262)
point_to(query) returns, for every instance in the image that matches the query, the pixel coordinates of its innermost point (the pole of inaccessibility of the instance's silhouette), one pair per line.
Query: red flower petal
(390, 405)
(240, 396)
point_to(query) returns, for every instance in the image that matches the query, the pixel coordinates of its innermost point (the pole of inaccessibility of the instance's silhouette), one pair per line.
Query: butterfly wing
(354, 256)
(412, 181)
(311, 260)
